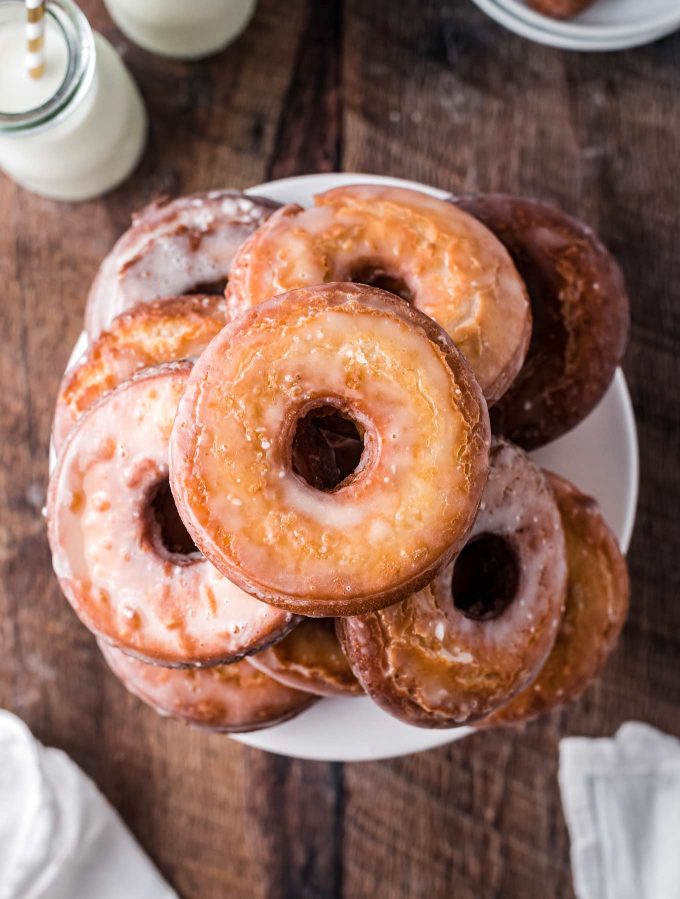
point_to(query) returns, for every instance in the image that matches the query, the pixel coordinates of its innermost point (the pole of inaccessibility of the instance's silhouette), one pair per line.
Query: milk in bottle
(79, 130)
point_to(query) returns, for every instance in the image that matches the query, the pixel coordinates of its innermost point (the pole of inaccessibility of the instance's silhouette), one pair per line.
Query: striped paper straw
(35, 38)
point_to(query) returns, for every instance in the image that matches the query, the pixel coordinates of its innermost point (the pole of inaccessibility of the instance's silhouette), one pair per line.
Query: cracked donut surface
(123, 559)
(310, 658)
(391, 524)
(234, 698)
(463, 646)
(420, 247)
(595, 611)
(162, 331)
(173, 247)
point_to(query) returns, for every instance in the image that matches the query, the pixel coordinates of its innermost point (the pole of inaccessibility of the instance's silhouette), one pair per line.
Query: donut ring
(598, 591)
(232, 698)
(410, 243)
(387, 528)
(437, 662)
(118, 548)
(310, 658)
(173, 247)
(580, 313)
(152, 333)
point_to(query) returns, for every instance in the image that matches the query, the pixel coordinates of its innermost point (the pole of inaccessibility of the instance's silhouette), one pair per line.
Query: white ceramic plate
(600, 456)
(545, 32)
(605, 18)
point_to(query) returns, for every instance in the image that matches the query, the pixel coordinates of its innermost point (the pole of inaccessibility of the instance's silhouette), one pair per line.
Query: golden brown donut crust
(389, 527)
(559, 9)
(596, 608)
(310, 658)
(451, 268)
(428, 663)
(580, 315)
(148, 335)
(234, 698)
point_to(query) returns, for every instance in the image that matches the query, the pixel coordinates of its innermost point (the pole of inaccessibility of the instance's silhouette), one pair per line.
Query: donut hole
(485, 577)
(375, 275)
(213, 288)
(167, 532)
(327, 447)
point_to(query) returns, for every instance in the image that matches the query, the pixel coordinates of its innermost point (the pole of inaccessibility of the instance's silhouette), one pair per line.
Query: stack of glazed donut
(276, 478)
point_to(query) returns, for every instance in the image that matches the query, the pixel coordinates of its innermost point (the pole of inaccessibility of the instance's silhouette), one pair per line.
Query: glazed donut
(580, 313)
(310, 658)
(229, 698)
(368, 357)
(559, 9)
(152, 333)
(122, 556)
(410, 243)
(173, 247)
(477, 634)
(595, 611)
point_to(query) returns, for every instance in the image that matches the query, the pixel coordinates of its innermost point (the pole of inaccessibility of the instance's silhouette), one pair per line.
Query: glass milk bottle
(184, 29)
(78, 131)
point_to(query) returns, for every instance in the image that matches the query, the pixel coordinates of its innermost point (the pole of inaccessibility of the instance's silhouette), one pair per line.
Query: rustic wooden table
(427, 90)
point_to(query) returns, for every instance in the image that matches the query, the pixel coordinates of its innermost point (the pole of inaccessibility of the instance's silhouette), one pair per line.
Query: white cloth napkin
(621, 799)
(59, 837)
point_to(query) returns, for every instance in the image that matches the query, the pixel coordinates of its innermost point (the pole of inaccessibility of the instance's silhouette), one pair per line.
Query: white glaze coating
(173, 248)
(233, 698)
(598, 592)
(415, 492)
(148, 335)
(105, 556)
(425, 660)
(456, 271)
(517, 504)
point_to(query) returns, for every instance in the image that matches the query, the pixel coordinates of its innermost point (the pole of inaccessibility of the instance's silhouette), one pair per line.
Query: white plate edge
(577, 30)
(561, 42)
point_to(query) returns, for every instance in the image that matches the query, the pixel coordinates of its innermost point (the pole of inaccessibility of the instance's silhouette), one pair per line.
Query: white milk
(18, 91)
(186, 29)
(78, 131)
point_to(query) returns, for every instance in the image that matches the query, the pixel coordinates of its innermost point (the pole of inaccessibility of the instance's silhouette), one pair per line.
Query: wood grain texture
(429, 90)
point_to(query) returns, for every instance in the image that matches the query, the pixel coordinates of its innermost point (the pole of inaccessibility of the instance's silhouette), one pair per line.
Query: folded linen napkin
(621, 799)
(59, 837)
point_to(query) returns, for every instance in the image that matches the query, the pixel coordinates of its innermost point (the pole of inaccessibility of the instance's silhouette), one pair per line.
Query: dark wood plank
(427, 90)
(309, 136)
